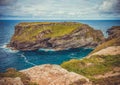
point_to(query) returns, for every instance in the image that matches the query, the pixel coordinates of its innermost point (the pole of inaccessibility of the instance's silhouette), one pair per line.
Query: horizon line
(53, 19)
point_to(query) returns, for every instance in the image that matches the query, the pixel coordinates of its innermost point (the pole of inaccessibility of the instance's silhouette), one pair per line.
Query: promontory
(54, 35)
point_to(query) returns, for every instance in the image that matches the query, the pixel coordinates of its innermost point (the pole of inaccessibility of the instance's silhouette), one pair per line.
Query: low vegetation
(114, 80)
(33, 29)
(28, 32)
(113, 39)
(13, 73)
(95, 65)
(112, 42)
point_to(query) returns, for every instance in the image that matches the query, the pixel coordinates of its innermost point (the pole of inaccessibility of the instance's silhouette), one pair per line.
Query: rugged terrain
(54, 35)
(102, 65)
(53, 75)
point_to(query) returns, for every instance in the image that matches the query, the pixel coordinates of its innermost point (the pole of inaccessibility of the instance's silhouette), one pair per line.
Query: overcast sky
(60, 9)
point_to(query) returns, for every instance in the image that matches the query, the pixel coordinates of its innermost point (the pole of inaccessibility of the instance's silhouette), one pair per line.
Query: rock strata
(113, 32)
(57, 36)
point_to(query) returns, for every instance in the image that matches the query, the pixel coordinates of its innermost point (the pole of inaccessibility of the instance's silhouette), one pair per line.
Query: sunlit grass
(92, 66)
(31, 30)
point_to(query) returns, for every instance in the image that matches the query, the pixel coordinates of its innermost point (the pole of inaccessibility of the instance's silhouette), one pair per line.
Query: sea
(22, 60)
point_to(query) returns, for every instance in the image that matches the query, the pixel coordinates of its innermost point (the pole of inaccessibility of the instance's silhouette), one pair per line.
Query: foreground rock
(11, 81)
(57, 36)
(53, 75)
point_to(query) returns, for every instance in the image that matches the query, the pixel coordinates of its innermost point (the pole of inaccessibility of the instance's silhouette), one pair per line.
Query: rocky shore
(100, 67)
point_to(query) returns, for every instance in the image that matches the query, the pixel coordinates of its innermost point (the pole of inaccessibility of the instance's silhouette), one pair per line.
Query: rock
(113, 39)
(11, 81)
(111, 50)
(113, 32)
(57, 36)
(53, 75)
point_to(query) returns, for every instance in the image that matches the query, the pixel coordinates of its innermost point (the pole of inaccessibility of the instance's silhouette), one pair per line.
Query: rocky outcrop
(113, 39)
(53, 75)
(57, 36)
(11, 81)
(102, 64)
(113, 32)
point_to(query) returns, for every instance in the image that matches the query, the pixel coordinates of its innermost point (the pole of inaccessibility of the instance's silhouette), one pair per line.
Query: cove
(22, 60)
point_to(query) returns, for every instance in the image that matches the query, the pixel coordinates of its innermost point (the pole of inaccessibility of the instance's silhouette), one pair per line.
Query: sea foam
(26, 60)
(46, 50)
(6, 49)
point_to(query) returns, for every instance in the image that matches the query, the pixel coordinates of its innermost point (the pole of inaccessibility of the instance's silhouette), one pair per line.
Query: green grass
(92, 66)
(31, 30)
(112, 42)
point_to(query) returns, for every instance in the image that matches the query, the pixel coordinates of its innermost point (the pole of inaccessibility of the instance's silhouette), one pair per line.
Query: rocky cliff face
(113, 32)
(57, 36)
(112, 40)
(103, 64)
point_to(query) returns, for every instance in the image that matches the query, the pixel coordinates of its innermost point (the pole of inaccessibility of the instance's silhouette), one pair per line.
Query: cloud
(110, 6)
(59, 9)
(7, 2)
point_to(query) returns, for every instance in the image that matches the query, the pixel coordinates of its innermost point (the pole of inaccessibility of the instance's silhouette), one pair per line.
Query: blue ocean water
(23, 60)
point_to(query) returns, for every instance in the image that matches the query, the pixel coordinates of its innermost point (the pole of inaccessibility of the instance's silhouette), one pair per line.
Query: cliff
(54, 35)
(112, 40)
(102, 66)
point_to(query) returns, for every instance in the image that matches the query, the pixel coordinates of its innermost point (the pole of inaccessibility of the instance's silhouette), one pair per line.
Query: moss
(95, 65)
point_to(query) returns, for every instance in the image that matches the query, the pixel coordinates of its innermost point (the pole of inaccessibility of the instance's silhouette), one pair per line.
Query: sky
(60, 9)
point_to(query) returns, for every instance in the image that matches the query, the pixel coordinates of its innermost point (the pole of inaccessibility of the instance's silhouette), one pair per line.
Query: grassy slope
(112, 42)
(96, 65)
(92, 66)
(58, 29)
(31, 30)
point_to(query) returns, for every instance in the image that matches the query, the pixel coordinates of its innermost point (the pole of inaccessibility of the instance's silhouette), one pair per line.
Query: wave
(6, 49)
(26, 60)
(46, 50)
